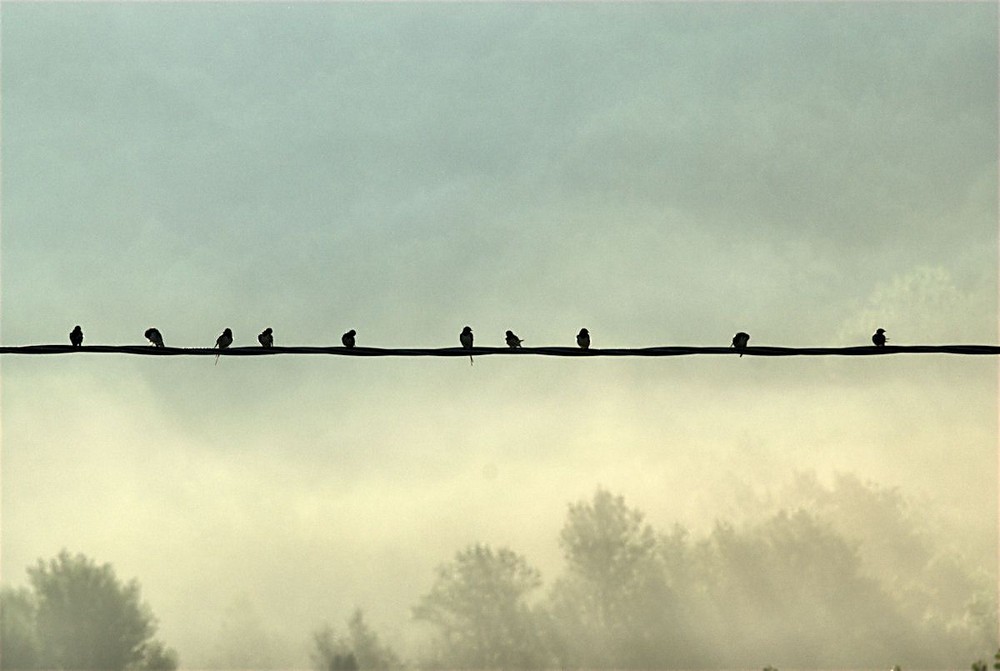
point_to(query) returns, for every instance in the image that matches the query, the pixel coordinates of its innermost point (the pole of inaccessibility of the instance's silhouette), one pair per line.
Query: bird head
(467, 329)
(584, 332)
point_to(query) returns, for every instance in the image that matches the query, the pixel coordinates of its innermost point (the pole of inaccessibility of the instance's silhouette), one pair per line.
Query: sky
(660, 173)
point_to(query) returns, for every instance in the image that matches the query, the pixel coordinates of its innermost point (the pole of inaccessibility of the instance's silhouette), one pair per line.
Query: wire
(147, 350)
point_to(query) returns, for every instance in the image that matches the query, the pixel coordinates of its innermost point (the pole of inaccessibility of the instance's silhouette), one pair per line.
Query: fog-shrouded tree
(613, 607)
(913, 552)
(18, 643)
(478, 606)
(79, 615)
(360, 649)
(792, 586)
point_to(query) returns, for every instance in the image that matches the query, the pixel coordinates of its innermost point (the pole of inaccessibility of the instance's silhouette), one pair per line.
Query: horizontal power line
(147, 350)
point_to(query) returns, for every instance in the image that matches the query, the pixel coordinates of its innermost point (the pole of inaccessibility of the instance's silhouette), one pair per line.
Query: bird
(223, 341)
(266, 338)
(583, 339)
(465, 337)
(740, 341)
(513, 341)
(348, 339)
(153, 336)
(76, 336)
(879, 338)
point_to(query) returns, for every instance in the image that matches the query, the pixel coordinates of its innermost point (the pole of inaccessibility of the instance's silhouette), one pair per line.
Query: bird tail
(216, 359)
(471, 362)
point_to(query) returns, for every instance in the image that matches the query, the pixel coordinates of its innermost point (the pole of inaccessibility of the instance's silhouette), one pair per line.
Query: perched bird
(879, 338)
(348, 339)
(583, 339)
(76, 336)
(740, 341)
(465, 337)
(513, 341)
(153, 336)
(223, 341)
(266, 338)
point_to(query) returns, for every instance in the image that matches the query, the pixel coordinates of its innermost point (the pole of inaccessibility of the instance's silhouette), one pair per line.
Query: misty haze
(647, 174)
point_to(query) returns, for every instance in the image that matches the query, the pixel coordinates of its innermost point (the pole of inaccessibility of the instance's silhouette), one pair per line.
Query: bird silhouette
(740, 341)
(348, 339)
(879, 338)
(513, 341)
(583, 339)
(223, 341)
(465, 337)
(153, 336)
(76, 336)
(266, 338)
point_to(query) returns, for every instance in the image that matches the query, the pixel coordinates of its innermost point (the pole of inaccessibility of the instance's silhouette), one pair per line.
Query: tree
(794, 587)
(360, 649)
(85, 618)
(478, 604)
(17, 629)
(614, 608)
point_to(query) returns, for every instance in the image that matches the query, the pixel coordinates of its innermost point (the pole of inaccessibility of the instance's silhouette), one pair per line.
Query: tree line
(849, 577)
(848, 581)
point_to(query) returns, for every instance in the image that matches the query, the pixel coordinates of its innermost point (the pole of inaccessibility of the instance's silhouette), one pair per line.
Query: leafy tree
(614, 607)
(18, 644)
(85, 618)
(919, 558)
(478, 604)
(792, 585)
(158, 657)
(360, 649)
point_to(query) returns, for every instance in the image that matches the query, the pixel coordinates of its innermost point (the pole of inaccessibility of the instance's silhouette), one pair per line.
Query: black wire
(147, 350)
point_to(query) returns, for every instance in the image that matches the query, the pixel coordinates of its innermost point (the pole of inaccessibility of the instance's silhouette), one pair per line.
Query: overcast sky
(658, 173)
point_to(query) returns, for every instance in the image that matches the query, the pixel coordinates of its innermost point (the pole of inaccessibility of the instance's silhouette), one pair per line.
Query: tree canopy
(79, 615)
(798, 587)
(478, 605)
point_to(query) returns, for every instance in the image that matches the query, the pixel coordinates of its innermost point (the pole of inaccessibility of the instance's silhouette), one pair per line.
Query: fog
(658, 173)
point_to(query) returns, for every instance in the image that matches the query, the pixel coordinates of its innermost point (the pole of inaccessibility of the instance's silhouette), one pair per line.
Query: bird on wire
(76, 336)
(348, 339)
(513, 341)
(153, 336)
(223, 341)
(266, 338)
(740, 341)
(583, 339)
(879, 338)
(465, 337)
